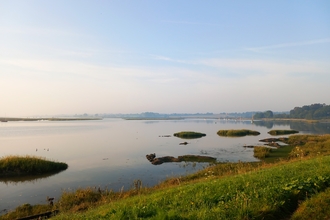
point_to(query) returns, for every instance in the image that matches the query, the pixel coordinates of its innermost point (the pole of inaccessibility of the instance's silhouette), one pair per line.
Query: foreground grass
(269, 193)
(317, 207)
(28, 165)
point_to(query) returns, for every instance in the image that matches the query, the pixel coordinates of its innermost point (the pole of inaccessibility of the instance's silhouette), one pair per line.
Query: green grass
(28, 165)
(261, 152)
(189, 134)
(282, 132)
(27, 210)
(317, 207)
(269, 193)
(278, 154)
(237, 133)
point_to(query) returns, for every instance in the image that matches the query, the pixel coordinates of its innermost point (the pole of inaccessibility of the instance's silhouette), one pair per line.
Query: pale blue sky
(68, 57)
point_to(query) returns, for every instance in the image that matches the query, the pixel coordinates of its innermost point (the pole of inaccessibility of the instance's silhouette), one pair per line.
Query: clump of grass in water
(282, 132)
(26, 165)
(237, 133)
(189, 134)
(261, 152)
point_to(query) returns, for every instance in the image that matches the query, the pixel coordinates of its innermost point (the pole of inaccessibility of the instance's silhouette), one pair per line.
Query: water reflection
(303, 127)
(23, 179)
(311, 128)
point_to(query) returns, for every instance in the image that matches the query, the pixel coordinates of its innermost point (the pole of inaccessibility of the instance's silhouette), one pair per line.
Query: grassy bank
(297, 185)
(268, 193)
(28, 165)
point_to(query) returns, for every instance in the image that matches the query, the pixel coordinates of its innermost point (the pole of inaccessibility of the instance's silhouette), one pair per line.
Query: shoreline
(47, 119)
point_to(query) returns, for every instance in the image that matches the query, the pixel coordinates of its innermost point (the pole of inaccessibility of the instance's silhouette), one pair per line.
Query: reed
(261, 152)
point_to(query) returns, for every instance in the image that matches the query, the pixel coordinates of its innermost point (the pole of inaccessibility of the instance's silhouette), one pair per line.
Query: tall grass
(316, 207)
(309, 145)
(27, 210)
(261, 152)
(22, 165)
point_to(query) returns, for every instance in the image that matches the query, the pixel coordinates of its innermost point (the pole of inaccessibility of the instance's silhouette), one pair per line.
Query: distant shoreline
(47, 119)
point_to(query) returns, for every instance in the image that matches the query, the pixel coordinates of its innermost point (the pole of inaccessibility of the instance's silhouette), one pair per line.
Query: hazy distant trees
(314, 111)
(266, 114)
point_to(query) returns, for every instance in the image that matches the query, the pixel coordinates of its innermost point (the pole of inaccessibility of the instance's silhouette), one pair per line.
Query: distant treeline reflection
(314, 128)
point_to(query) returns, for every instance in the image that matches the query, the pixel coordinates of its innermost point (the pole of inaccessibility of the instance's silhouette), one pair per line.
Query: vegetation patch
(189, 134)
(261, 152)
(237, 133)
(309, 145)
(268, 193)
(282, 132)
(186, 158)
(316, 206)
(27, 210)
(28, 165)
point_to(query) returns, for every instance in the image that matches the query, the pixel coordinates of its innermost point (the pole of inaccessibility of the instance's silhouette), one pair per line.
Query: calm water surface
(111, 152)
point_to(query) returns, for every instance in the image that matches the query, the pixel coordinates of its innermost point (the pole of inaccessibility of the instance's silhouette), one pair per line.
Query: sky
(165, 56)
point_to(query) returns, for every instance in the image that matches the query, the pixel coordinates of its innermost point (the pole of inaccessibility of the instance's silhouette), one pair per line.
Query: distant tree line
(314, 111)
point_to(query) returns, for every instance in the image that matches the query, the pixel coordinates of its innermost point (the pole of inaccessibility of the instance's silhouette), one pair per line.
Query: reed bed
(27, 165)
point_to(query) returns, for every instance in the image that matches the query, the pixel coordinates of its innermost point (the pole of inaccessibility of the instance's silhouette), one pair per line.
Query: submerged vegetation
(28, 165)
(189, 134)
(237, 133)
(295, 187)
(282, 132)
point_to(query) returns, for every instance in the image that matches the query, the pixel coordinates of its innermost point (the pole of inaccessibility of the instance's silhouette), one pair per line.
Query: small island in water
(28, 165)
(282, 132)
(189, 134)
(237, 133)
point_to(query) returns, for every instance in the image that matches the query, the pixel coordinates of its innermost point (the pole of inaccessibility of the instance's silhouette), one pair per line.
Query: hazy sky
(166, 56)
